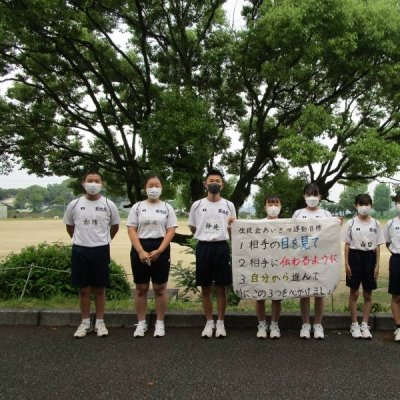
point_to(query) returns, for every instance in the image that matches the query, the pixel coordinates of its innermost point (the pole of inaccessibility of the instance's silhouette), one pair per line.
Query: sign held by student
(285, 258)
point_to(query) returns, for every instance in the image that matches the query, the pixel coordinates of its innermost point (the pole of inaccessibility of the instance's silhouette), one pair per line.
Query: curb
(180, 319)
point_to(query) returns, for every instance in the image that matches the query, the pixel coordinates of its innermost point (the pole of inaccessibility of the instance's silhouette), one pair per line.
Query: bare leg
(353, 297)
(276, 310)
(161, 297)
(100, 301)
(395, 303)
(221, 301)
(319, 309)
(260, 310)
(206, 300)
(305, 309)
(367, 306)
(84, 301)
(142, 290)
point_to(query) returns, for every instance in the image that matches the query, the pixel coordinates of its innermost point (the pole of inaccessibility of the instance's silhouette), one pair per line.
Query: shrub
(51, 273)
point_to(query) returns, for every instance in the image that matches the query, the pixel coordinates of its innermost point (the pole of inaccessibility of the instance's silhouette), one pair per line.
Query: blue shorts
(90, 266)
(394, 274)
(362, 265)
(213, 264)
(158, 271)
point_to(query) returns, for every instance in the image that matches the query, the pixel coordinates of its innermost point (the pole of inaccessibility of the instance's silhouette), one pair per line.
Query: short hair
(151, 177)
(92, 172)
(272, 199)
(363, 199)
(215, 172)
(396, 197)
(311, 189)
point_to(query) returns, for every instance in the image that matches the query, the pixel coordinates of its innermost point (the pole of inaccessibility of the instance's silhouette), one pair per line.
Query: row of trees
(134, 86)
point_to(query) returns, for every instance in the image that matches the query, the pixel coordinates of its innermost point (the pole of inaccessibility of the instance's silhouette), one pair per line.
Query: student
(92, 221)
(392, 237)
(208, 221)
(151, 226)
(362, 235)
(312, 197)
(273, 208)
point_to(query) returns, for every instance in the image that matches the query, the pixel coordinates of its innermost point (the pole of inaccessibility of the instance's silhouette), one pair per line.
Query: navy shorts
(90, 266)
(213, 264)
(362, 265)
(158, 271)
(394, 274)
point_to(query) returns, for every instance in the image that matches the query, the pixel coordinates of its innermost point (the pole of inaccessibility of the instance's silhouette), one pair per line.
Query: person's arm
(133, 236)
(164, 244)
(113, 230)
(346, 259)
(192, 229)
(378, 254)
(70, 230)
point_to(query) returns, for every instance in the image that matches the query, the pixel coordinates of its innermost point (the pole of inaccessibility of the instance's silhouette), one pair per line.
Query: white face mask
(92, 188)
(364, 210)
(153, 193)
(312, 201)
(273, 211)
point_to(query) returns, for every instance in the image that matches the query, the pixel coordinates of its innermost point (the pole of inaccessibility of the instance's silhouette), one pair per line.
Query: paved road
(47, 363)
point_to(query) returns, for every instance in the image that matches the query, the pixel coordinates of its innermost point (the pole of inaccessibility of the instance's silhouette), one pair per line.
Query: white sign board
(285, 258)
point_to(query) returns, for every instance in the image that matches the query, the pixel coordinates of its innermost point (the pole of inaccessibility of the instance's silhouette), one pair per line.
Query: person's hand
(231, 220)
(154, 255)
(145, 257)
(376, 272)
(348, 271)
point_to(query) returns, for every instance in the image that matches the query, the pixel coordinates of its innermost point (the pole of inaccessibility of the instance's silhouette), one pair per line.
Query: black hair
(151, 177)
(396, 198)
(272, 199)
(363, 199)
(311, 189)
(92, 172)
(215, 172)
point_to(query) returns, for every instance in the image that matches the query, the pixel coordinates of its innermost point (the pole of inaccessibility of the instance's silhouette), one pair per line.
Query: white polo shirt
(211, 219)
(306, 213)
(363, 235)
(152, 219)
(91, 220)
(392, 235)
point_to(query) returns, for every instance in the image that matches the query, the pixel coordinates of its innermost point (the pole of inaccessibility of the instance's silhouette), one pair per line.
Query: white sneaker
(140, 330)
(262, 330)
(355, 330)
(274, 331)
(159, 330)
(305, 331)
(83, 330)
(100, 329)
(318, 331)
(366, 334)
(208, 329)
(397, 335)
(220, 331)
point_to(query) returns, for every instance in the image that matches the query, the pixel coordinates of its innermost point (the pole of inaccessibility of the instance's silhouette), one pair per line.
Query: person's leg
(305, 309)
(141, 292)
(161, 299)
(319, 309)
(353, 297)
(221, 301)
(276, 310)
(260, 310)
(367, 306)
(395, 304)
(100, 301)
(206, 300)
(84, 301)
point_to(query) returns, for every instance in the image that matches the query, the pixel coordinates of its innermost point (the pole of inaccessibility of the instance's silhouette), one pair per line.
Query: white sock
(262, 322)
(160, 322)
(142, 322)
(86, 321)
(220, 321)
(99, 320)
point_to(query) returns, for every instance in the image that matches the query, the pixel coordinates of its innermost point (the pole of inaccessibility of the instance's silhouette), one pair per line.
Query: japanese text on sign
(285, 258)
